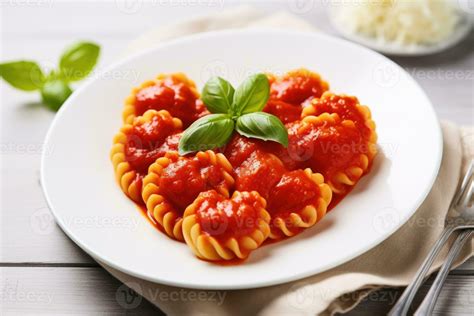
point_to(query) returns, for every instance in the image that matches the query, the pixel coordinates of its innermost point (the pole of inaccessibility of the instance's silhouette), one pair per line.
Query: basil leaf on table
(218, 95)
(210, 131)
(251, 95)
(263, 126)
(79, 60)
(54, 93)
(23, 75)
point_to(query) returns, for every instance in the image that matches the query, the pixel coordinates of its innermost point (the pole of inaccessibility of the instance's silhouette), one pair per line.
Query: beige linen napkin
(392, 263)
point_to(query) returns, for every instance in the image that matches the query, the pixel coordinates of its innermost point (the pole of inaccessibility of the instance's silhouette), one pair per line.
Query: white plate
(461, 31)
(79, 184)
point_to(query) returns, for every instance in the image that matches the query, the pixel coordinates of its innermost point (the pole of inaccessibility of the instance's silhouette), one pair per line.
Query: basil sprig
(75, 64)
(233, 109)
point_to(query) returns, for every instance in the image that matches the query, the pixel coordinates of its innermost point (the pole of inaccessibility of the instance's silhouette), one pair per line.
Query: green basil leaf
(218, 95)
(209, 132)
(263, 126)
(79, 60)
(23, 75)
(54, 93)
(251, 95)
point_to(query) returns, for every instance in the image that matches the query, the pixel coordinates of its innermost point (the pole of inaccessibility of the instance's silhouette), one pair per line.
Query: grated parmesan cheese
(405, 22)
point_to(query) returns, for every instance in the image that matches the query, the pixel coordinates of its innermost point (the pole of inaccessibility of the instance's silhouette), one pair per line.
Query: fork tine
(464, 185)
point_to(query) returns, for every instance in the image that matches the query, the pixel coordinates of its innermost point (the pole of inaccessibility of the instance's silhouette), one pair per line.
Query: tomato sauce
(239, 148)
(328, 147)
(286, 112)
(275, 172)
(290, 93)
(225, 218)
(294, 191)
(172, 95)
(149, 141)
(297, 87)
(345, 106)
(183, 180)
(260, 172)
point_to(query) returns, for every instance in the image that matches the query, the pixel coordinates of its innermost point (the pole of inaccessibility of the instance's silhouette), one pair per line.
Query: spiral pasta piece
(173, 182)
(297, 202)
(293, 91)
(218, 228)
(336, 148)
(348, 108)
(175, 93)
(137, 145)
(259, 172)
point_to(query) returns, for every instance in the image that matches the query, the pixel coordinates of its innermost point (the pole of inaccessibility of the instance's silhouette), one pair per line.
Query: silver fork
(464, 219)
(426, 307)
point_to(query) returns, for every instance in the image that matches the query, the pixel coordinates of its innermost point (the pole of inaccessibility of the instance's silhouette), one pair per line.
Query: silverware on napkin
(462, 220)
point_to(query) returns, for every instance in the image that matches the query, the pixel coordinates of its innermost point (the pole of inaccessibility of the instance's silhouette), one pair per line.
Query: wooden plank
(467, 267)
(28, 234)
(29, 237)
(104, 18)
(72, 291)
(91, 291)
(28, 231)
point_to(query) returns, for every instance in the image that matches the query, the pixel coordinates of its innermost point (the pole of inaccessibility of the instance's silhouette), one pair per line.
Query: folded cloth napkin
(394, 262)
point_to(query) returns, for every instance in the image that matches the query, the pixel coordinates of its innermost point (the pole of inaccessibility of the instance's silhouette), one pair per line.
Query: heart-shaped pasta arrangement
(225, 192)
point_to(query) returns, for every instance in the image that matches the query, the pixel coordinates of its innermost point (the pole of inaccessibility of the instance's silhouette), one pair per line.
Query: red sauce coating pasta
(173, 95)
(183, 180)
(291, 92)
(286, 112)
(347, 107)
(226, 203)
(224, 218)
(239, 149)
(260, 172)
(148, 141)
(294, 191)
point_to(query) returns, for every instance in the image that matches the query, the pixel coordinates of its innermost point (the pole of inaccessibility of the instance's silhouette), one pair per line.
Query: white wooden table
(41, 270)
